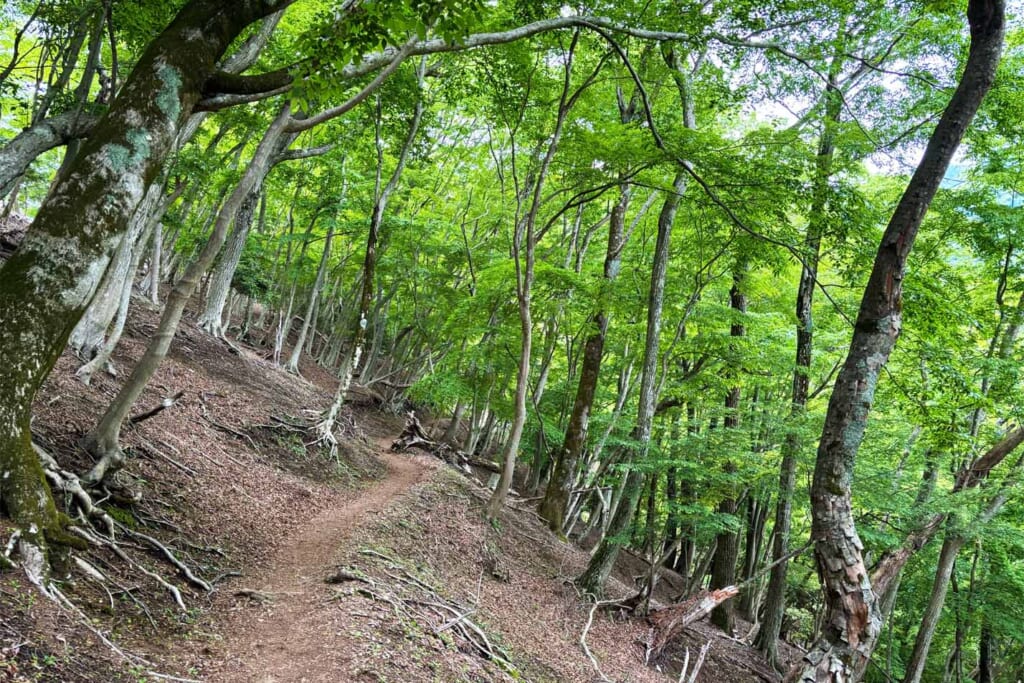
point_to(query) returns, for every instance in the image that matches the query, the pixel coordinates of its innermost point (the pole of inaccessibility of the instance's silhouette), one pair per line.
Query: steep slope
(424, 589)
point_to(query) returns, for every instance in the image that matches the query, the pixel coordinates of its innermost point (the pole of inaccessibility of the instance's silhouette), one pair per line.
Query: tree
(853, 619)
(48, 282)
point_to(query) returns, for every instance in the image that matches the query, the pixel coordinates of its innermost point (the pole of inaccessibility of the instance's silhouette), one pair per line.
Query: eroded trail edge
(292, 636)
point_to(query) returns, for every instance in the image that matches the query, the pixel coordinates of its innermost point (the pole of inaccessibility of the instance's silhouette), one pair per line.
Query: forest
(732, 290)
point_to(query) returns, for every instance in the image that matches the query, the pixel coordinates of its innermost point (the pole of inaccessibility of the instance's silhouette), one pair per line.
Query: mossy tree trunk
(47, 284)
(103, 440)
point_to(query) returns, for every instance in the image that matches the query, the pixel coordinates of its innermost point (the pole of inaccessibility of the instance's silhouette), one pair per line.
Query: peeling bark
(853, 618)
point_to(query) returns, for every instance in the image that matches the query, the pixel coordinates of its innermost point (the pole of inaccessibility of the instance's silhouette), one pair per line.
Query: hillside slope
(424, 589)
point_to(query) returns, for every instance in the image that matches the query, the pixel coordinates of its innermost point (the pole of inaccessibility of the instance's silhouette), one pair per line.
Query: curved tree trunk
(102, 357)
(554, 506)
(18, 154)
(853, 619)
(47, 284)
(103, 440)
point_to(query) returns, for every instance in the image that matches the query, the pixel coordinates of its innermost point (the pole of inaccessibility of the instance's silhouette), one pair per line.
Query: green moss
(123, 516)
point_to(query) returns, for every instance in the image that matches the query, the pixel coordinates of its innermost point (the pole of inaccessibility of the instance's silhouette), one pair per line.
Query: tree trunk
(525, 230)
(351, 361)
(293, 360)
(930, 618)
(156, 264)
(853, 620)
(723, 567)
(102, 357)
(48, 282)
(985, 673)
(775, 602)
(103, 440)
(565, 459)
(592, 580)
(212, 317)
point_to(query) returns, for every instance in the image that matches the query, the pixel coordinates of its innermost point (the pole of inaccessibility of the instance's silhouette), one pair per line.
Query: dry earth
(228, 482)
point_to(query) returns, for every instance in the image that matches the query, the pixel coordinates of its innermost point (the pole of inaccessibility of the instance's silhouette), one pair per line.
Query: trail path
(296, 637)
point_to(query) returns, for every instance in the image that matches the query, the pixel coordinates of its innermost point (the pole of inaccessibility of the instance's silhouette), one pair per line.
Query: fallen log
(669, 622)
(414, 436)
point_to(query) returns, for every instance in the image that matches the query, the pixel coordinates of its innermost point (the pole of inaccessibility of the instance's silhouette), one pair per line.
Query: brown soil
(293, 638)
(250, 505)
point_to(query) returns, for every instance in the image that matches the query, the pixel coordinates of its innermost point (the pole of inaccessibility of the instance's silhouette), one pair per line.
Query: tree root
(182, 567)
(414, 436)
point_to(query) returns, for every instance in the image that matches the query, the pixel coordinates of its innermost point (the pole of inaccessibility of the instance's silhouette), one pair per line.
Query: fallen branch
(669, 622)
(153, 412)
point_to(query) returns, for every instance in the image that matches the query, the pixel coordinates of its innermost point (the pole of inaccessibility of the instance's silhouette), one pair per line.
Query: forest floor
(423, 588)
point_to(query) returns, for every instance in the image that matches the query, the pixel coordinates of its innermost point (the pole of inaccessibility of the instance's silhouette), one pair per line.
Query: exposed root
(583, 643)
(99, 540)
(182, 567)
(414, 436)
(69, 483)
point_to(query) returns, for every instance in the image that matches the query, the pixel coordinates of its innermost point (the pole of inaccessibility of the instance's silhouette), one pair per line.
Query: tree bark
(930, 618)
(853, 620)
(525, 232)
(554, 505)
(18, 154)
(47, 284)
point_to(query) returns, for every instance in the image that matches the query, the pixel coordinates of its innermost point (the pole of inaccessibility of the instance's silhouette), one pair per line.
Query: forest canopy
(737, 286)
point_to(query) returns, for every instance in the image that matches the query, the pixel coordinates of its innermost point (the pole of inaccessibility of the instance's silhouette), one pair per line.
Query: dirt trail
(294, 638)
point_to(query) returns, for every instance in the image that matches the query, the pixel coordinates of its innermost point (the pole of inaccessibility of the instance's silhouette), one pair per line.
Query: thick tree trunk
(47, 284)
(103, 440)
(853, 620)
